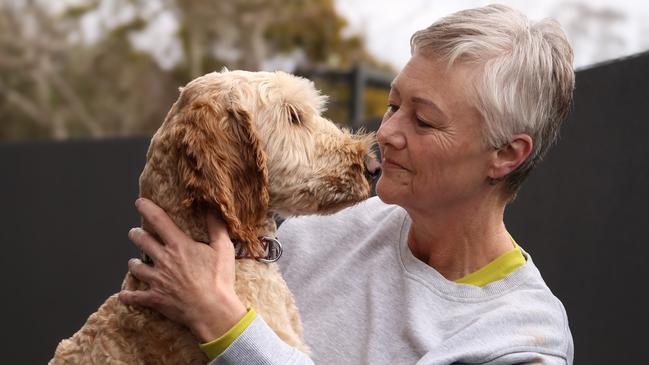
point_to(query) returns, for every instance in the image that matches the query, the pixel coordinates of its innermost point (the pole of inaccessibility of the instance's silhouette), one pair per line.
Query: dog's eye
(295, 117)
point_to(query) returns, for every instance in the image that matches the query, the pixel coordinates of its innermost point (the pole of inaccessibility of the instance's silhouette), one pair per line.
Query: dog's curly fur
(245, 144)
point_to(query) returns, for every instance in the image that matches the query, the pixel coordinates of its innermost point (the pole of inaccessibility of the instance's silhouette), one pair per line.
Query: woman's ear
(221, 165)
(510, 156)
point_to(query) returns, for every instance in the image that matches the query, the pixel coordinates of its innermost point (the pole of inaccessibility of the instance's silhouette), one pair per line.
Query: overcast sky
(388, 24)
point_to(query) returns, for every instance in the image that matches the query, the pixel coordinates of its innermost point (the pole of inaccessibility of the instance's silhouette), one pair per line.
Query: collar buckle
(271, 245)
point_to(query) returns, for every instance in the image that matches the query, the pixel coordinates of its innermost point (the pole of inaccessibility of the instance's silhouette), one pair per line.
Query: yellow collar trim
(497, 269)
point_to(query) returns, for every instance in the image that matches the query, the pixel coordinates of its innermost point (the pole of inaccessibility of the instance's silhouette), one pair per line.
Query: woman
(426, 273)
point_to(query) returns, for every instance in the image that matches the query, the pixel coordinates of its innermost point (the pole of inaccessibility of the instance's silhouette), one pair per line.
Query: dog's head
(247, 142)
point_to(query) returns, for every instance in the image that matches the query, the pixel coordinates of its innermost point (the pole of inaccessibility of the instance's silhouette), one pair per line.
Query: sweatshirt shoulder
(309, 239)
(539, 317)
(371, 211)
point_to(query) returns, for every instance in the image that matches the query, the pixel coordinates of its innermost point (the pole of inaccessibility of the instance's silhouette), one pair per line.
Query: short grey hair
(525, 79)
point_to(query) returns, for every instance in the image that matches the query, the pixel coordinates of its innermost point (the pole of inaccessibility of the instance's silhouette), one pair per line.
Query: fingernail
(132, 232)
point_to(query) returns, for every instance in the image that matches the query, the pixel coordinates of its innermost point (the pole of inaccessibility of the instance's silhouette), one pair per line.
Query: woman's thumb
(217, 231)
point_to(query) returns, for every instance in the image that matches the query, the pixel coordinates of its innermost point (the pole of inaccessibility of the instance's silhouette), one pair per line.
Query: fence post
(357, 99)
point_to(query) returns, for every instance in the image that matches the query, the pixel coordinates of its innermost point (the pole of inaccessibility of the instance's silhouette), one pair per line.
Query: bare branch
(24, 104)
(75, 103)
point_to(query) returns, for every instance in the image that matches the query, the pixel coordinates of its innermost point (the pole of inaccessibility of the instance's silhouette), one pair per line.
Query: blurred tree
(30, 83)
(52, 86)
(80, 70)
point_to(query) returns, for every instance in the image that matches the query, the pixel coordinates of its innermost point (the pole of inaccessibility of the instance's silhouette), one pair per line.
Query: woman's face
(432, 151)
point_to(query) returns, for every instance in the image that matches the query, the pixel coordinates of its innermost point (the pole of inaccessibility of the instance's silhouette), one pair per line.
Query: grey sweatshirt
(365, 299)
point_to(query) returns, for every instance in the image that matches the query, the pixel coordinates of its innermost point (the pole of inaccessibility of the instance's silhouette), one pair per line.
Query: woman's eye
(422, 123)
(392, 108)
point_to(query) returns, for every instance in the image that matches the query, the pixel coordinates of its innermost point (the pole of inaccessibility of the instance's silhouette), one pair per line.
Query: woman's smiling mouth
(387, 163)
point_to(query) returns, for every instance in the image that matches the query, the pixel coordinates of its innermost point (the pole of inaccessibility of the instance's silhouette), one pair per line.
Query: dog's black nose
(373, 167)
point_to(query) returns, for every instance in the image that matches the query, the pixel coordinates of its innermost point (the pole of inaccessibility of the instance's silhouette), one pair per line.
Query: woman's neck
(458, 242)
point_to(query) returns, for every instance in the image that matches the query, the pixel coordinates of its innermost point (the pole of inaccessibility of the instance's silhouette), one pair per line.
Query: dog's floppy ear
(221, 165)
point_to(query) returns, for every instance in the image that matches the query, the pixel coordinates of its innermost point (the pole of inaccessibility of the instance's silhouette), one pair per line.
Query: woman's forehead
(428, 82)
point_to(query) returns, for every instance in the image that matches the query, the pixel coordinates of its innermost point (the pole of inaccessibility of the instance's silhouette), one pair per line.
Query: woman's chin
(386, 191)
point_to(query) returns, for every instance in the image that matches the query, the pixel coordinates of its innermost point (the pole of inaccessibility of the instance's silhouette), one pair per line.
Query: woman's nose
(389, 133)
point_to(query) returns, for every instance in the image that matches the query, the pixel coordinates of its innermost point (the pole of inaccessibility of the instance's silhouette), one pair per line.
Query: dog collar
(272, 249)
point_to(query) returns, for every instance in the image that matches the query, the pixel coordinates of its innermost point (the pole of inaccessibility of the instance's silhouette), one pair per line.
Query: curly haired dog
(248, 145)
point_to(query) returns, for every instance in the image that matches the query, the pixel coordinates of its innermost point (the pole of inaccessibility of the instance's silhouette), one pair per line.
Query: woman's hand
(191, 282)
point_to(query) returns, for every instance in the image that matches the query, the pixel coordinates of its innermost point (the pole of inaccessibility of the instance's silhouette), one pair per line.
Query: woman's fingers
(191, 283)
(141, 271)
(163, 226)
(144, 298)
(146, 243)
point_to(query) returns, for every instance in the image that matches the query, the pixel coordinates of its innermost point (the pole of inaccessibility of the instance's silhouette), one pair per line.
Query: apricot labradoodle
(250, 145)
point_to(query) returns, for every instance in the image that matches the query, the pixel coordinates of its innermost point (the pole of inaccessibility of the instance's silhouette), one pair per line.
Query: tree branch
(23, 103)
(75, 103)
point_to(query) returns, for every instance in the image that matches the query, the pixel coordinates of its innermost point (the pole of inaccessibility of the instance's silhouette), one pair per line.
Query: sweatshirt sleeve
(259, 345)
(530, 358)
(214, 348)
